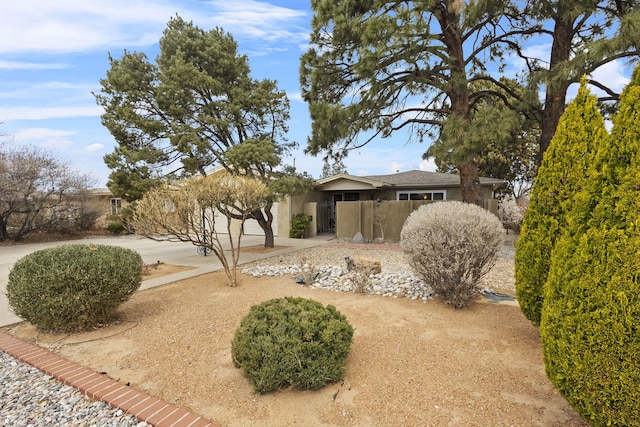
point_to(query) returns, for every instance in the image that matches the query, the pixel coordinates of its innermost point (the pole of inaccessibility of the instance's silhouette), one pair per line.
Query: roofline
(363, 179)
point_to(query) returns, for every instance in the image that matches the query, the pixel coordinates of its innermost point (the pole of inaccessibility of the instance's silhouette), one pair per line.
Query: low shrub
(451, 245)
(292, 342)
(115, 227)
(299, 226)
(73, 287)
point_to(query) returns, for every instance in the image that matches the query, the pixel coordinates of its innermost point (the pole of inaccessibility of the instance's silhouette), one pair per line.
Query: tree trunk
(458, 91)
(470, 183)
(265, 224)
(4, 234)
(556, 91)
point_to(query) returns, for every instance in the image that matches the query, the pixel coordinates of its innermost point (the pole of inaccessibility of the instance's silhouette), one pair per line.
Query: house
(409, 189)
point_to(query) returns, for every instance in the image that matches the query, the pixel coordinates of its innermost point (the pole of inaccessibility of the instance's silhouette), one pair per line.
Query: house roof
(414, 178)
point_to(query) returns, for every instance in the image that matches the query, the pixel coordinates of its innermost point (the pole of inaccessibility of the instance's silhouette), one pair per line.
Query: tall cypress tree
(590, 325)
(560, 176)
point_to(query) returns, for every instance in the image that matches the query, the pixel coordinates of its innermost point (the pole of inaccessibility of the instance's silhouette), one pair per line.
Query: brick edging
(101, 387)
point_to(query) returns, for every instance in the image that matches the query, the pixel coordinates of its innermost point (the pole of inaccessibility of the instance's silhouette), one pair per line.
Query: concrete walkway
(151, 252)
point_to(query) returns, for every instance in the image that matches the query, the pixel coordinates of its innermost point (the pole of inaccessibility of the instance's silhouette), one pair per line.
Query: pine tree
(561, 175)
(590, 325)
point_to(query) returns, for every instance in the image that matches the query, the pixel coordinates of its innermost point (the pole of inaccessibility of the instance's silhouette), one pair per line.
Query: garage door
(252, 228)
(220, 223)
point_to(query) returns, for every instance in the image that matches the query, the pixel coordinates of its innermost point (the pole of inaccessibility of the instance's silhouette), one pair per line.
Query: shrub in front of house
(73, 287)
(292, 342)
(451, 245)
(299, 226)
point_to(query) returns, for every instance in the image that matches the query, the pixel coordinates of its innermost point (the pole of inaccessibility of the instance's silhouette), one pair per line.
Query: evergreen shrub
(73, 287)
(115, 227)
(451, 245)
(562, 174)
(299, 226)
(590, 327)
(292, 342)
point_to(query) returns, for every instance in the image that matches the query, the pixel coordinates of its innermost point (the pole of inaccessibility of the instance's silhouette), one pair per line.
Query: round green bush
(292, 342)
(73, 287)
(451, 245)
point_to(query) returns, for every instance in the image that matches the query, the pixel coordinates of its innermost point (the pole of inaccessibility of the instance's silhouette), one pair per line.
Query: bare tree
(40, 192)
(187, 211)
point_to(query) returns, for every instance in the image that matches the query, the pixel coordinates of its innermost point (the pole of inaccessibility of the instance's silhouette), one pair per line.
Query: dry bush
(451, 245)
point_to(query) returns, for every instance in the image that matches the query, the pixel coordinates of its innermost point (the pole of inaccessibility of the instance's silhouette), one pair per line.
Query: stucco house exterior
(355, 195)
(409, 189)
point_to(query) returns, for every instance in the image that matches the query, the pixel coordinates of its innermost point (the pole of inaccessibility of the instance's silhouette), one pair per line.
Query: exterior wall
(353, 217)
(366, 216)
(294, 205)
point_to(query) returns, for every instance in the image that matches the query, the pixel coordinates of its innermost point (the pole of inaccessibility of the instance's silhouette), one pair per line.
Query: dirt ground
(411, 363)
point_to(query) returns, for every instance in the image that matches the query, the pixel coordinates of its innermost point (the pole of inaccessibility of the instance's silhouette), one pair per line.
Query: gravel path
(29, 397)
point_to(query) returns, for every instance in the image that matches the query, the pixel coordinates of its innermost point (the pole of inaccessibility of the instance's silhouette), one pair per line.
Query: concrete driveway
(151, 252)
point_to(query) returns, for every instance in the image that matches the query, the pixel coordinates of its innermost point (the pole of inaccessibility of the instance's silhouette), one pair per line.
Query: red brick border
(100, 387)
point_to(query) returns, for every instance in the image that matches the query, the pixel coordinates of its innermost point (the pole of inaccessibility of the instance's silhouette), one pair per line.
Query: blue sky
(53, 54)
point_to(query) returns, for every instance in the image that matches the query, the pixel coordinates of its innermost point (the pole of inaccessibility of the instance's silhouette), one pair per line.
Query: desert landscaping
(411, 362)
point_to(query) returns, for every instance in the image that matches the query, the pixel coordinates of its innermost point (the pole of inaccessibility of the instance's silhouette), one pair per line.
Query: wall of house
(294, 205)
(380, 220)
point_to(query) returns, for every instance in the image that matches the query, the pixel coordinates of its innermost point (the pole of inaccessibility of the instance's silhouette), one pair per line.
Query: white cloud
(612, 75)
(56, 139)
(94, 147)
(295, 96)
(54, 90)
(22, 65)
(395, 167)
(428, 165)
(56, 143)
(260, 20)
(79, 25)
(38, 113)
(41, 133)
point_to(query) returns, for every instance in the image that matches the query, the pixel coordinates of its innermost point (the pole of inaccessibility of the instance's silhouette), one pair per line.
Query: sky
(54, 53)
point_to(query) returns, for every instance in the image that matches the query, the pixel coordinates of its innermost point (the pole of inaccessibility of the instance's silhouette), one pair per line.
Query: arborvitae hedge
(560, 176)
(590, 325)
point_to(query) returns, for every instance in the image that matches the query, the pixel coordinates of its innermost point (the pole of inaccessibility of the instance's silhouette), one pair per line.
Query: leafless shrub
(451, 245)
(308, 272)
(360, 282)
(511, 213)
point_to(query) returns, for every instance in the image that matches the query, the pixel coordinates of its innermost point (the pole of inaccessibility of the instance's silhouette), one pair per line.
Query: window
(115, 206)
(422, 195)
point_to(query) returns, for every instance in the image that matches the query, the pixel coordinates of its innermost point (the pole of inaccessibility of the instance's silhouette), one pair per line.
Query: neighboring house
(106, 204)
(412, 188)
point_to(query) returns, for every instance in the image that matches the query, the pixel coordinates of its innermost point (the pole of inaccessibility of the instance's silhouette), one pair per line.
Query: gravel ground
(29, 397)
(327, 265)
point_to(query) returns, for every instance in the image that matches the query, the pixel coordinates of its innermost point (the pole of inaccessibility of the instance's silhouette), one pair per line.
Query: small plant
(309, 273)
(292, 342)
(511, 213)
(451, 245)
(299, 226)
(360, 282)
(73, 287)
(115, 227)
